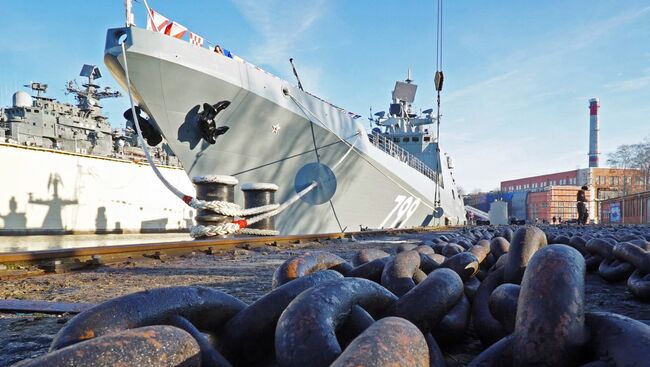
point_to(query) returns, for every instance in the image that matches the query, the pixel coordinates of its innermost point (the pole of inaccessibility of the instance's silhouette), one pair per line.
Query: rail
(388, 146)
(16, 264)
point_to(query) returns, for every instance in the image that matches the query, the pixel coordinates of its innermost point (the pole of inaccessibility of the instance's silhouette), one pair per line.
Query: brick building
(554, 201)
(628, 209)
(555, 194)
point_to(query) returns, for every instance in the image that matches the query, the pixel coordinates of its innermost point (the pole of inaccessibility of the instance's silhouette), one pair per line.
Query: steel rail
(179, 247)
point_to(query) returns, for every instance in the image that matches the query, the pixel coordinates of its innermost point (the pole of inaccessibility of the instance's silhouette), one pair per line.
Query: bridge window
(426, 138)
(405, 140)
(415, 139)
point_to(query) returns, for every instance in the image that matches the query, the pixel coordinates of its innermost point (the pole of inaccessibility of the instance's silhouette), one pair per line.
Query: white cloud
(629, 84)
(281, 26)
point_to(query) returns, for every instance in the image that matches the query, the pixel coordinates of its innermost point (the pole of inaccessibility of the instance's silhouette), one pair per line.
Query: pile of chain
(524, 298)
(617, 253)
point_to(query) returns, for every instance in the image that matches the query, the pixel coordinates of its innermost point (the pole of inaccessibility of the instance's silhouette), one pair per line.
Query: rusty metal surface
(187, 246)
(371, 270)
(488, 328)
(398, 273)
(549, 329)
(34, 256)
(526, 241)
(619, 340)
(249, 334)
(499, 246)
(207, 308)
(633, 254)
(305, 264)
(367, 255)
(615, 270)
(154, 346)
(452, 327)
(498, 354)
(639, 284)
(503, 305)
(427, 303)
(464, 264)
(391, 341)
(305, 334)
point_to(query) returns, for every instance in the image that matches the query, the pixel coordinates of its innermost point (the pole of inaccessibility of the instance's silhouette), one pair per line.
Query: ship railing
(394, 150)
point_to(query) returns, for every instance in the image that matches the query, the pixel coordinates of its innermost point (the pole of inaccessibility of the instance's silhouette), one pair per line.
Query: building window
(426, 138)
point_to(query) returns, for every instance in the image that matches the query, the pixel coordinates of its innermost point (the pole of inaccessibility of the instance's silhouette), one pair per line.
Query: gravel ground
(245, 274)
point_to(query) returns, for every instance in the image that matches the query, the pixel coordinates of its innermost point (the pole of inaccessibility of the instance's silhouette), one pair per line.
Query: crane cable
(439, 78)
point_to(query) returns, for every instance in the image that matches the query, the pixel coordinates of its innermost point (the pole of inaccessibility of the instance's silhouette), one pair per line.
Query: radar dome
(22, 99)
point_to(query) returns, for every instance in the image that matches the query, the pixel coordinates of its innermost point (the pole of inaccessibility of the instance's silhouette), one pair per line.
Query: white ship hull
(46, 191)
(172, 79)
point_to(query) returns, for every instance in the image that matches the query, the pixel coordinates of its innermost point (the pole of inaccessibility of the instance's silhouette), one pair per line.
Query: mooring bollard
(260, 194)
(214, 188)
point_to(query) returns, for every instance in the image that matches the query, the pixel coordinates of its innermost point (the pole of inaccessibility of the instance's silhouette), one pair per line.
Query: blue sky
(518, 73)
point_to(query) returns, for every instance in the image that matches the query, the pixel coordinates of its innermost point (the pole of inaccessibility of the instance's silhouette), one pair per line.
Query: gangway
(477, 213)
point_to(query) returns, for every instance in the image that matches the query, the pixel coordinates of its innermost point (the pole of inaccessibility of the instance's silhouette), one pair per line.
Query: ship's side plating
(270, 137)
(54, 192)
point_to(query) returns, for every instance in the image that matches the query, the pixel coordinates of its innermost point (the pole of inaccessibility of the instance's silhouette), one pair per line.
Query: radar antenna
(88, 97)
(38, 87)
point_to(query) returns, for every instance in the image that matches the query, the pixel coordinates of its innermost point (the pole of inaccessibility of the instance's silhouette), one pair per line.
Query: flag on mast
(157, 22)
(175, 30)
(195, 39)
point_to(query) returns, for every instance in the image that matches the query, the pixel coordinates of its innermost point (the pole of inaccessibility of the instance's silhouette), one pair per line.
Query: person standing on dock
(582, 205)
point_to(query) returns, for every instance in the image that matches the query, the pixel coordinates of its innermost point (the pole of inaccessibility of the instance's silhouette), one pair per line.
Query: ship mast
(128, 9)
(88, 97)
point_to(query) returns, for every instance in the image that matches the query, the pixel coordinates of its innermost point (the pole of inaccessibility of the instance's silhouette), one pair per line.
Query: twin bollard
(222, 188)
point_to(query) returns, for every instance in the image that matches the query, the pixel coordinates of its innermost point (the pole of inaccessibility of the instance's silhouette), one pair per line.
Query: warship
(66, 170)
(222, 115)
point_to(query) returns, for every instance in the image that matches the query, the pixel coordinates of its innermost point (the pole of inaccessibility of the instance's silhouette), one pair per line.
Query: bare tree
(629, 156)
(642, 160)
(623, 158)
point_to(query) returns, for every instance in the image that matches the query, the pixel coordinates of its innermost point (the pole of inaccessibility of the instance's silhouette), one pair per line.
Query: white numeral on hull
(405, 207)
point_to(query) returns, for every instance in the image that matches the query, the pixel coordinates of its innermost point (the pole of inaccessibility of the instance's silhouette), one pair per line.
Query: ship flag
(195, 39)
(157, 22)
(175, 30)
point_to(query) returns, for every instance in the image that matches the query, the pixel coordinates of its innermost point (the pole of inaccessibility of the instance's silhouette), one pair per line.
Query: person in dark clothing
(583, 214)
(554, 219)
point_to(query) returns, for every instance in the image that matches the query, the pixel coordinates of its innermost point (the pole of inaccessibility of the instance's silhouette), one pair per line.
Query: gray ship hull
(54, 192)
(270, 137)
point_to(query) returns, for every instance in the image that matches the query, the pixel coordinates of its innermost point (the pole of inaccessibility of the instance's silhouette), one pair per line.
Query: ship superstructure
(408, 134)
(66, 170)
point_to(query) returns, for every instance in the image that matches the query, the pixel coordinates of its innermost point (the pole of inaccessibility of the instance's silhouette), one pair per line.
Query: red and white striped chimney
(594, 129)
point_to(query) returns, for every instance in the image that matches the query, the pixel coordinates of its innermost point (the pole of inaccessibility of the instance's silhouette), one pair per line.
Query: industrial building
(551, 195)
(628, 209)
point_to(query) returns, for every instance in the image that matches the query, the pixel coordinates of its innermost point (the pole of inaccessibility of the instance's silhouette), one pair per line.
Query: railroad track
(31, 263)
